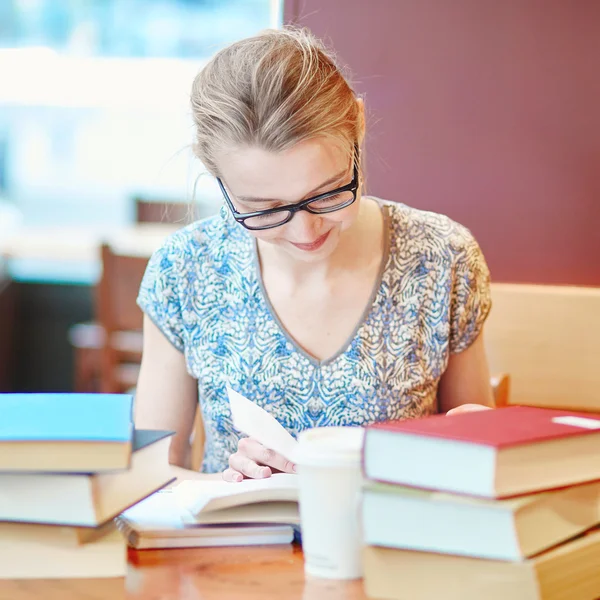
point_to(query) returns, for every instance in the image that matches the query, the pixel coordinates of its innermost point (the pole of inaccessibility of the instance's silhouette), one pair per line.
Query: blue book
(79, 433)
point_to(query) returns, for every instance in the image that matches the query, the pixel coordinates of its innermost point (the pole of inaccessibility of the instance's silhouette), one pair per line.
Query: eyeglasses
(322, 204)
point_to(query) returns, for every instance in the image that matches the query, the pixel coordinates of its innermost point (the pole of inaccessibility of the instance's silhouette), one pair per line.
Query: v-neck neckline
(361, 321)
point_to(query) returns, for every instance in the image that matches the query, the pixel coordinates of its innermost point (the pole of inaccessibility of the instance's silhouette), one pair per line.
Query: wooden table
(250, 573)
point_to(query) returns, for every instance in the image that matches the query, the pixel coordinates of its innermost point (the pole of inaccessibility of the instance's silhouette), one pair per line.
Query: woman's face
(258, 180)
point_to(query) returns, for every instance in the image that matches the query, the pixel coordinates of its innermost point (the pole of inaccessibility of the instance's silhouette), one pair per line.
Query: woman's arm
(466, 379)
(166, 395)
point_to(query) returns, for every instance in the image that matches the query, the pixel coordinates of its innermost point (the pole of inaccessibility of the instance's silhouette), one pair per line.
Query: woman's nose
(305, 226)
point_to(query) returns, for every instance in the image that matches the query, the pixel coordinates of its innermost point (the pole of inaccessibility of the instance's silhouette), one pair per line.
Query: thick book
(488, 453)
(88, 499)
(270, 500)
(511, 529)
(30, 551)
(158, 522)
(569, 571)
(65, 432)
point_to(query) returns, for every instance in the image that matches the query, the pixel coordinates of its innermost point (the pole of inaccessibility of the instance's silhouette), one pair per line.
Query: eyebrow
(331, 180)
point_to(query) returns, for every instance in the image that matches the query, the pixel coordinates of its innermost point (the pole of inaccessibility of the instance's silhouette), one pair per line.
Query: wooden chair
(107, 351)
(546, 337)
(120, 319)
(87, 339)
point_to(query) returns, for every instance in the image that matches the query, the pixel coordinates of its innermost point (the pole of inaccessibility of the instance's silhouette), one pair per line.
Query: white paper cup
(330, 479)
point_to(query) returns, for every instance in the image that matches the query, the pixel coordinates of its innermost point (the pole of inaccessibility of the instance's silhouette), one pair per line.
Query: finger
(284, 465)
(463, 408)
(265, 456)
(248, 467)
(232, 475)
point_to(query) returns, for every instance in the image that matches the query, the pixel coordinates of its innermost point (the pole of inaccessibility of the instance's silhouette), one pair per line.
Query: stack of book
(484, 505)
(69, 464)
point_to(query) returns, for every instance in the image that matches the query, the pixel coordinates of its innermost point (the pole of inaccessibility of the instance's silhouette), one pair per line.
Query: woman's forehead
(252, 172)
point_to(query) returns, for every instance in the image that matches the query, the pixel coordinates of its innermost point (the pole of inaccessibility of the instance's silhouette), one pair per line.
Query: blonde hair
(273, 91)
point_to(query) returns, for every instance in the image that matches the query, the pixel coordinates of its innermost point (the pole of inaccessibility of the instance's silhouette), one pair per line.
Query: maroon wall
(486, 110)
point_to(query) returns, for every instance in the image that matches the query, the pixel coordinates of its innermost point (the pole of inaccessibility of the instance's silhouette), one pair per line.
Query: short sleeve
(160, 293)
(471, 299)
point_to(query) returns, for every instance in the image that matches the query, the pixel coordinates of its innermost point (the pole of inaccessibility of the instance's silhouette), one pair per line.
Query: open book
(271, 500)
(158, 522)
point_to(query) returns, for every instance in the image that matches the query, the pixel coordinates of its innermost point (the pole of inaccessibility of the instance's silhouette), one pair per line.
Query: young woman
(322, 305)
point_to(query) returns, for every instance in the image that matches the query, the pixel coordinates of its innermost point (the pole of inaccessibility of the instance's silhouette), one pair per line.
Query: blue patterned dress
(204, 291)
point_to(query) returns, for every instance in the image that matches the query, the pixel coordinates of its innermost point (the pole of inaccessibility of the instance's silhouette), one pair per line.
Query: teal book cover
(66, 417)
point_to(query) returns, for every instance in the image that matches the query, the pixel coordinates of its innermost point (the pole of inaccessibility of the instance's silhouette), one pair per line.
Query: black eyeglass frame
(292, 209)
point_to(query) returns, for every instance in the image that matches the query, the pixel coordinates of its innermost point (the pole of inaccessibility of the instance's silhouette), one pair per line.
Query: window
(94, 101)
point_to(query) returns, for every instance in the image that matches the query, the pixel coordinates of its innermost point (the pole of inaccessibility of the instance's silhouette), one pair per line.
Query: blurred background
(94, 115)
(94, 100)
(485, 110)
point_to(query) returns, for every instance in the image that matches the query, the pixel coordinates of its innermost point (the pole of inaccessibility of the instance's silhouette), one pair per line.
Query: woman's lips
(313, 245)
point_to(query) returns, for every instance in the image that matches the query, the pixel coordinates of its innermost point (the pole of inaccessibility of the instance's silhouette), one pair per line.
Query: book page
(196, 495)
(158, 512)
(264, 512)
(254, 421)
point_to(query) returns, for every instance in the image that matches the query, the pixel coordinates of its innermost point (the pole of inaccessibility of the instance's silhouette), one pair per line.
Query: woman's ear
(361, 120)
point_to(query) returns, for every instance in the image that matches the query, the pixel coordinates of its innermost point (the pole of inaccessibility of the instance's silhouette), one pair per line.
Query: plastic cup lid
(330, 446)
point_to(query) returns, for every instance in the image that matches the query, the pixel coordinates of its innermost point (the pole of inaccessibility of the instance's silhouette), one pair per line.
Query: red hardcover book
(492, 453)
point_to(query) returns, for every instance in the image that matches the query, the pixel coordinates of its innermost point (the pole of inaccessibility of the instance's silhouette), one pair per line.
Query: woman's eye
(334, 199)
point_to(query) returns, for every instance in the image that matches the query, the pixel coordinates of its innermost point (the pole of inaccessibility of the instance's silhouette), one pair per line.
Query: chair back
(118, 289)
(546, 338)
(120, 318)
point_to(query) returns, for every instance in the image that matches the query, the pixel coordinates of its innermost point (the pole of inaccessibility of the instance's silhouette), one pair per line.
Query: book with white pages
(158, 522)
(270, 500)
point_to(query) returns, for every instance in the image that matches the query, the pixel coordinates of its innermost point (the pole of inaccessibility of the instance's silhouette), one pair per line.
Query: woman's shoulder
(200, 243)
(424, 231)
(192, 262)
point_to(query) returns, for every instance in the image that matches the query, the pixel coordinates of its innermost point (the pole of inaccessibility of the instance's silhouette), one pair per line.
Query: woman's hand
(463, 408)
(255, 461)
